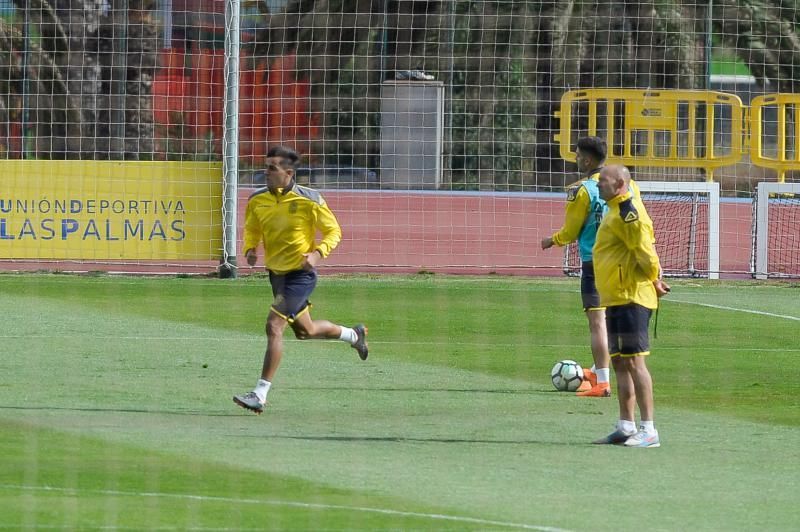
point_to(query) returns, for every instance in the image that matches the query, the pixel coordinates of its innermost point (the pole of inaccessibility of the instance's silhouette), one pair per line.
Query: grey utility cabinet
(412, 128)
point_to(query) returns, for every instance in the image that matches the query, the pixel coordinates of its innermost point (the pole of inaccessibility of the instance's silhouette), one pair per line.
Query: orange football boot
(601, 389)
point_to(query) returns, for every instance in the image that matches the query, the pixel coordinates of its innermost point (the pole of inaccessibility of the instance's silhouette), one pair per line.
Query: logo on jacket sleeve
(572, 193)
(628, 212)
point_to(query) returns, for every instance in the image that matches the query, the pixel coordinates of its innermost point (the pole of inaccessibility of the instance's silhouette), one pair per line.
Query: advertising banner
(115, 210)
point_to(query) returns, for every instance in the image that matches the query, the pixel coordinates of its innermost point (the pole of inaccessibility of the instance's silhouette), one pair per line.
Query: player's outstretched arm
(575, 212)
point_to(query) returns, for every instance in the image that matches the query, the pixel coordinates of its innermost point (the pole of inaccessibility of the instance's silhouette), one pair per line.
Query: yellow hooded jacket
(625, 259)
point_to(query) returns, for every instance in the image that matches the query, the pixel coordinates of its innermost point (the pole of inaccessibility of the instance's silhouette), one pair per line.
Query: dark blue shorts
(627, 330)
(589, 295)
(291, 292)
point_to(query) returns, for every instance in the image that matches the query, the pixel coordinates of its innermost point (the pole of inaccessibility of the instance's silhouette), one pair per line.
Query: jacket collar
(285, 190)
(616, 200)
(594, 172)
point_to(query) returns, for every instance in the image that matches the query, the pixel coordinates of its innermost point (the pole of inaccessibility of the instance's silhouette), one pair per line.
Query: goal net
(686, 223)
(442, 134)
(776, 231)
(396, 107)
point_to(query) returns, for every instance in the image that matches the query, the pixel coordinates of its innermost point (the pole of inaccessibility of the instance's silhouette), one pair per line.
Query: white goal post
(764, 263)
(711, 189)
(686, 220)
(230, 133)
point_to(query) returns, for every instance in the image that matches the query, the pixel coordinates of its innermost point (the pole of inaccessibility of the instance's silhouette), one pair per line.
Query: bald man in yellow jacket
(628, 278)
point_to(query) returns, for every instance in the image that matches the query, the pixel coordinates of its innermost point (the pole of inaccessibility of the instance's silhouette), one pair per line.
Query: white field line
(292, 504)
(736, 309)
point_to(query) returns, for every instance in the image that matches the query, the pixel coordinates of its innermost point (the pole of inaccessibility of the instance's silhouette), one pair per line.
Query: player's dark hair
(594, 146)
(287, 154)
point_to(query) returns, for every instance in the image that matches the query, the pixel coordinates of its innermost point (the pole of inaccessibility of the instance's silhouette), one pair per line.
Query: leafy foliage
(505, 64)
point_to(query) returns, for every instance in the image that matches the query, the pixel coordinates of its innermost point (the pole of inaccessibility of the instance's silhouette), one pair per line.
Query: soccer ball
(566, 375)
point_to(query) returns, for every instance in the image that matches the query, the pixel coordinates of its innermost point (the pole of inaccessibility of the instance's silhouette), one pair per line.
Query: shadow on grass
(401, 439)
(418, 390)
(204, 413)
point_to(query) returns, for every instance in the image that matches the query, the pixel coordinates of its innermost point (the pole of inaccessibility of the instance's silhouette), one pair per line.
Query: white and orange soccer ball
(566, 375)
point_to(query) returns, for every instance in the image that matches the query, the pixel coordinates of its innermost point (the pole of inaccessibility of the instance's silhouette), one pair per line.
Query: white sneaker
(250, 401)
(644, 439)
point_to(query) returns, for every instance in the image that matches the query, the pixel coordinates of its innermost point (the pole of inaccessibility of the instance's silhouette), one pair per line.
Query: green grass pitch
(116, 411)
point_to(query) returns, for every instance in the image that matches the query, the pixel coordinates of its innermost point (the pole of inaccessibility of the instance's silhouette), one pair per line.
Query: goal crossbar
(693, 242)
(712, 190)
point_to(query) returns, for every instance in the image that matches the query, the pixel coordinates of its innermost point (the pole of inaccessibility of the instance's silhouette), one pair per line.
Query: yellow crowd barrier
(683, 128)
(784, 153)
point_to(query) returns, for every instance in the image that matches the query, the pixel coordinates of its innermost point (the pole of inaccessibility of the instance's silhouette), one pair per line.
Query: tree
(75, 71)
(506, 64)
(83, 66)
(765, 36)
(346, 48)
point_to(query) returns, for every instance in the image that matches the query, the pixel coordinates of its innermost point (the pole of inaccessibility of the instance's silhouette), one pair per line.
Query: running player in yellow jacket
(628, 277)
(285, 218)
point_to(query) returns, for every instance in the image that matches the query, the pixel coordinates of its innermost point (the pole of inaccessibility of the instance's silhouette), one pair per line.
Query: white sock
(603, 374)
(262, 389)
(348, 335)
(647, 426)
(626, 425)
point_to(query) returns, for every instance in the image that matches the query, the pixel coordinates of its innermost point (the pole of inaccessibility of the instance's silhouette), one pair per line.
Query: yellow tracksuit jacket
(577, 211)
(625, 259)
(287, 222)
(582, 214)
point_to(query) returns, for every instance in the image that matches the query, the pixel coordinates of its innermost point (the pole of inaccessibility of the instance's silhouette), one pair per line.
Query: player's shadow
(403, 439)
(352, 439)
(417, 390)
(204, 413)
